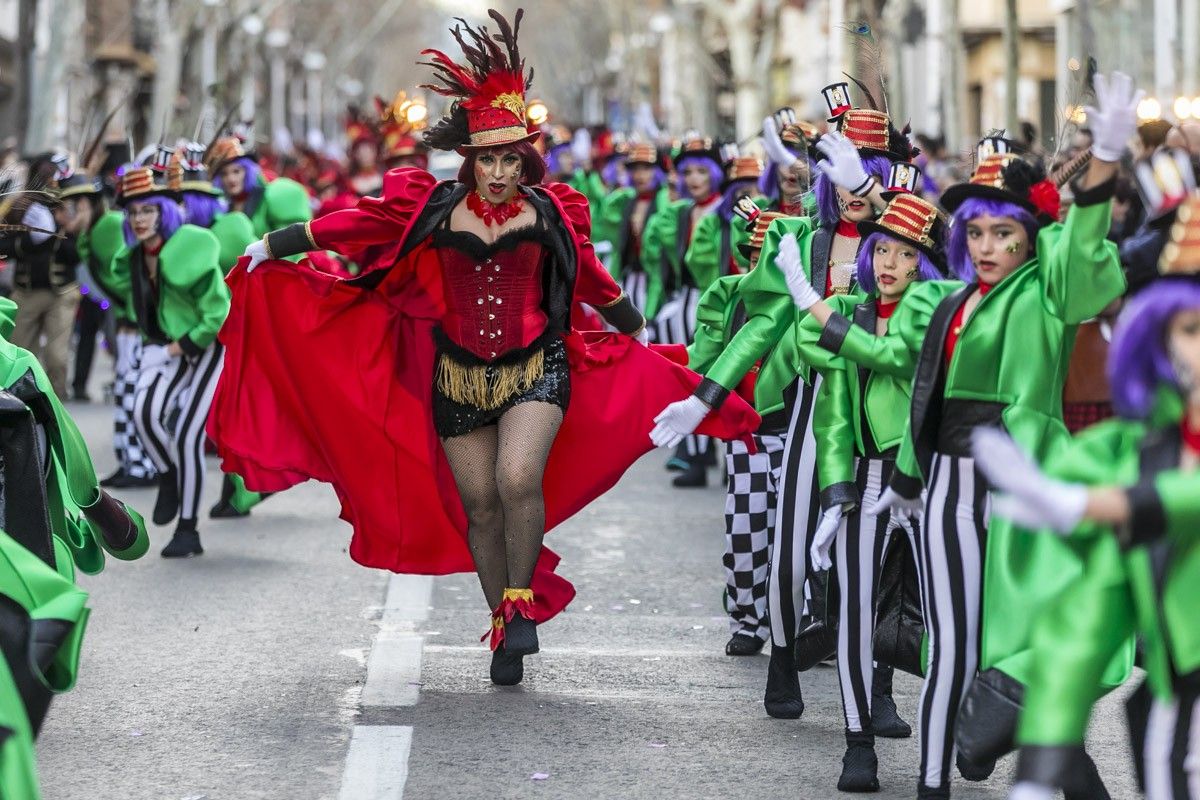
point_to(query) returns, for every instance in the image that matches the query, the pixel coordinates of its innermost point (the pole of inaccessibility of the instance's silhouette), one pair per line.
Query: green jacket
(713, 243)
(73, 494)
(662, 245)
(276, 205)
(193, 298)
(615, 217)
(18, 758)
(770, 314)
(1147, 590)
(1013, 352)
(591, 186)
(234, 233)
(838, 419)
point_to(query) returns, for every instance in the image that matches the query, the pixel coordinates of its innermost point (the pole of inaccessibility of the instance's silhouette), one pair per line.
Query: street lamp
(1149, 108)
(1182, 108)
(537, 112)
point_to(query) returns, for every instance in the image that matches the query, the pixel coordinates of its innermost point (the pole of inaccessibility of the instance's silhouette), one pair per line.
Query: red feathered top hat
(489, 89)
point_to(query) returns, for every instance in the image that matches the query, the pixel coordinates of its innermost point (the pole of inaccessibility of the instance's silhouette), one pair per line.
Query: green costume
(193, 299)
(1147, 590)
(99, 245)
(713, 243)
(276, 205)
(234, 233)
(616, 213)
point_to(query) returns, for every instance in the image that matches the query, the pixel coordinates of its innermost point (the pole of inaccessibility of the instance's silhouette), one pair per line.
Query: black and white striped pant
(951, 572)
(749, 517)
(132, 457)
(798, 511)
(857, 556)
(1171, 755)
(676, 324)
(171, 409)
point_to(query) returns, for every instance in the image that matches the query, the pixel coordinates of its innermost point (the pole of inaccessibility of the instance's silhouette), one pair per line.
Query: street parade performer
(484, 418)
(1125, 495)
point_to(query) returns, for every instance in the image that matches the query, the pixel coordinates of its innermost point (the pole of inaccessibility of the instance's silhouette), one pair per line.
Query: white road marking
(377, 764)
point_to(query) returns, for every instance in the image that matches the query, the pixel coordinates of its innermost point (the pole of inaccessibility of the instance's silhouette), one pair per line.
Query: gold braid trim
(267, 246)
(488, 387)
(518, 594)
(308, 233)
(620, 297)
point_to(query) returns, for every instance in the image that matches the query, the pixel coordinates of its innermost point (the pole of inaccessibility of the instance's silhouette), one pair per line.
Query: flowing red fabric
(329, 381)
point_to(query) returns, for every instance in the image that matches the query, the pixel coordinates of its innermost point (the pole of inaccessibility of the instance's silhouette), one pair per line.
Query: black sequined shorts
(452, 418)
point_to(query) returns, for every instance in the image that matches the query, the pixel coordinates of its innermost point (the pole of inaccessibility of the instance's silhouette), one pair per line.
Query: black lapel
(253, 201)
(442, 200)
(822, 243)
(26, 506)
(865, 317)
(930, 376)
(726, 251)
(738, 319)
(682, 237)
(559, 280)
(626, 233)
(1159, 451)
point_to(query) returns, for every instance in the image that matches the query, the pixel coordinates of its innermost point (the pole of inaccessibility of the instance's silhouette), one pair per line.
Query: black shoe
(741, 644)
(507, 669)
(223, 509)
(123, 480)
(860, 767)
(814, 644)
(111, 482)
(80, 396)
(885, 720)
(166, 507)
(694, 477)
(520, 636)
(974, 772)
(782, 698)
(184, 544)
(929, 793)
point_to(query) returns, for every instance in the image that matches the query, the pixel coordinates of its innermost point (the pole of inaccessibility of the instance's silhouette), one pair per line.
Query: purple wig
(768, 184)
(170, 217)
(554, 158)
(1138, 362)
(253, 175)
(612, 174)
(729, 198)
(957, 256)
(201, 208)
(828, 211)
(659, 178)
(865, 273)
(715, 173)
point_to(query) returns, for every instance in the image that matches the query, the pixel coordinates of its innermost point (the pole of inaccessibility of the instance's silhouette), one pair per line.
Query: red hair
(533, 168)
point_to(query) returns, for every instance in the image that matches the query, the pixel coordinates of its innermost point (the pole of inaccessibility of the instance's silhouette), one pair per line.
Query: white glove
(1027, 496)
(843, 165)
(891, 502)
(1026, 790)
(771, 143)
(678, 420)
(257, 250)
(788, 261)
(1114, 121)
(831, 521)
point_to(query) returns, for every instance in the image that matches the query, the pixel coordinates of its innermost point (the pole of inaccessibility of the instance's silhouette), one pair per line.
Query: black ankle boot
(694, 477)
(782, 698)
(743, 644)
(507, 668)
(520, 636)
(929, 793)
(166, 507)
(885, 720)
(223, 508)
(860, 767)
(972, 771)
(185, 543)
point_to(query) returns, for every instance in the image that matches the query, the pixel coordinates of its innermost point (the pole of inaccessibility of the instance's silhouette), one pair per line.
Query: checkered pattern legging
(749, 520)
(132, 457)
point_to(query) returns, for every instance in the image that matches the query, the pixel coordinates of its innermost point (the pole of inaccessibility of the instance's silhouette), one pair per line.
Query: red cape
(325, 380)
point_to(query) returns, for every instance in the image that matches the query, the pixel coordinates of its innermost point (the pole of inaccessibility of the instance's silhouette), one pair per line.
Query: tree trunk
(26, 29)
(1012, 67)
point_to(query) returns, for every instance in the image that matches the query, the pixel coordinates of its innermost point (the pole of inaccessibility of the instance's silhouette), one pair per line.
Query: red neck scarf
(792, 209)
(493, 213)
(712, 198)
(147, 250)
(885, 310)
(646, 195)
(1191, 436)
(847, 229)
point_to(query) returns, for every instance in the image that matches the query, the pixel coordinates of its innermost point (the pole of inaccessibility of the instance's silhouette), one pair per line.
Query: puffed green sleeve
(612, 215)
(712, 318)
(193, 258)
(286, 203)
(896, 352)
(235, 233)
(833, 429)
(1080, 269)
(1166, 505)
(703, 257)
(808, 332)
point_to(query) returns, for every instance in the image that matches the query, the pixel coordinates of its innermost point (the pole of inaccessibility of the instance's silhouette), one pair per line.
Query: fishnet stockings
(498, 470)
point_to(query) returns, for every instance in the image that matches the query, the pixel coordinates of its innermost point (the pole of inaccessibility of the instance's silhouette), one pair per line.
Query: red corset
(493, 292)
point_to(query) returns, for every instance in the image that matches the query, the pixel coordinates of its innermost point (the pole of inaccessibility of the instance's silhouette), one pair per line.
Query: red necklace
(153, 251)
(1191, 436)
(847, 229)
(490, 212)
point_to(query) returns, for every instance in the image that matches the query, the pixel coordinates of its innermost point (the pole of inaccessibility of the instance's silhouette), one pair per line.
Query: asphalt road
(241, 674)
